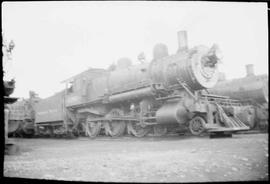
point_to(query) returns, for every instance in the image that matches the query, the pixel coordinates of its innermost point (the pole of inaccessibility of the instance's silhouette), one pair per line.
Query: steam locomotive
(165, 93)
(252, 93)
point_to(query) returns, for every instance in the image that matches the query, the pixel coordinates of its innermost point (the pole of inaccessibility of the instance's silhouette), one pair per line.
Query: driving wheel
(115, 128)
(92, 128)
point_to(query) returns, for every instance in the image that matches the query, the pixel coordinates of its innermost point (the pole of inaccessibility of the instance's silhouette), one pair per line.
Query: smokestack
(182, 40)
(249, 70)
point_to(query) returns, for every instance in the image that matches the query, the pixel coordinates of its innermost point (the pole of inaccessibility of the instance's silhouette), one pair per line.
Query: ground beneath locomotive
(243, 157)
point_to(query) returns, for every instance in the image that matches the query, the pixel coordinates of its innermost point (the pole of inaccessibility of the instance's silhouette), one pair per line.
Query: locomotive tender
(156, 95)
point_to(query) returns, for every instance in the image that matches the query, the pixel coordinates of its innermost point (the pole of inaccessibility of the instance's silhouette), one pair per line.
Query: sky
(56, 40)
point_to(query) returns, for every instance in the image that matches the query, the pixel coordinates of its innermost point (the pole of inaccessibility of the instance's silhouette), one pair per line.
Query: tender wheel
(92, 129)
(137, 130)
(115, 128)
(159, 130)
(197, 125)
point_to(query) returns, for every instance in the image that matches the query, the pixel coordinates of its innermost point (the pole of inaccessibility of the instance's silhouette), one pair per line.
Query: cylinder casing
(172, 112)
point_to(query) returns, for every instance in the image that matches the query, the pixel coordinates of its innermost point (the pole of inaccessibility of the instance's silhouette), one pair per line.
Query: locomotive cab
(79, 88)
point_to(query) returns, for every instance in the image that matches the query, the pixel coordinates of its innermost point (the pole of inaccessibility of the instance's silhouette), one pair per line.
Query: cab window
(70, 87)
